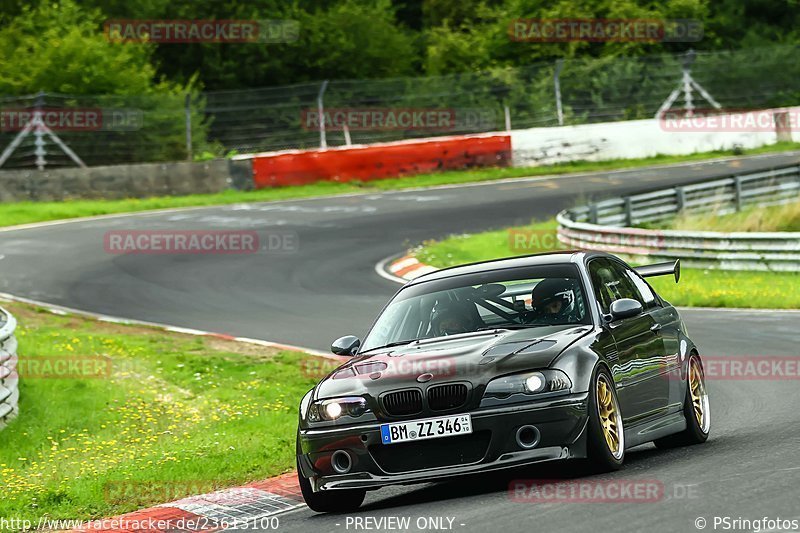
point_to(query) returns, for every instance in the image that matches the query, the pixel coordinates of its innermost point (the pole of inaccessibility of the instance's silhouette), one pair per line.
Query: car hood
(473, 357)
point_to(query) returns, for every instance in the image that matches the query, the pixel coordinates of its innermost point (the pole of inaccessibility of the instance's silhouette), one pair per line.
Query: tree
(475, 35)
(56, 47)
(345, 39)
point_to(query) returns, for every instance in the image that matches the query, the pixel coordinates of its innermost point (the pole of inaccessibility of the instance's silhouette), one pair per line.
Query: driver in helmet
(450, 318)
(553, 302)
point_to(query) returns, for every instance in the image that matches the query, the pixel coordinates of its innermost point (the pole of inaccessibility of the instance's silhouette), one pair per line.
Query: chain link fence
(577, 91)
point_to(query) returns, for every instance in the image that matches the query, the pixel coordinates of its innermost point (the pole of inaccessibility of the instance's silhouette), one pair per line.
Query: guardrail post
(38, 134)
(188, 115)
(628, 211)
(557, 87)
(680, 198)
(737, 186)
(593, 213)
(323, 139)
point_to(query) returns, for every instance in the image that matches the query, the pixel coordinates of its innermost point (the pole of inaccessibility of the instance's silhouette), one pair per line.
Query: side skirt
(654, 429)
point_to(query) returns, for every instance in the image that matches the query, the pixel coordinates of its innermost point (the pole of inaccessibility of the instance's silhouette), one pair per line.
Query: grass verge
(784, 217)
(29, 212)
(697, 288)
(176, 415)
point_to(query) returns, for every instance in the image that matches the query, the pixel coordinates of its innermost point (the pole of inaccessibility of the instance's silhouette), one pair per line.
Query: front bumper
(492, 446)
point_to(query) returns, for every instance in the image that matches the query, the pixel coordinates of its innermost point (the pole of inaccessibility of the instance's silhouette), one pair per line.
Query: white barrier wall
(9, 379)
(644, 138)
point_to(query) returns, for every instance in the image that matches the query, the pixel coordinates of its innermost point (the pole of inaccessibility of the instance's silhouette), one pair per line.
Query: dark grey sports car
(499, 364)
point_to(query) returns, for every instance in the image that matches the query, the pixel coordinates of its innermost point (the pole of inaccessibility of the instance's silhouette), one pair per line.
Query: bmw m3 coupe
(498, 364)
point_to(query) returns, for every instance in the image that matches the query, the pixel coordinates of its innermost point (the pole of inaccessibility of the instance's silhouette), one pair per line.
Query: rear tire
(695, 410)
(605, 443)
(328, 501)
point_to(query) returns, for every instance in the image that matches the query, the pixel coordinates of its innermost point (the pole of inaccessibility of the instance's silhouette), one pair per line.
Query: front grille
(433, 453)
(403, 403)
(445, 397)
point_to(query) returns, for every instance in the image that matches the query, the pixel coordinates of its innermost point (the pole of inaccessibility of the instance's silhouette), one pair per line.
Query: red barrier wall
(381, 161)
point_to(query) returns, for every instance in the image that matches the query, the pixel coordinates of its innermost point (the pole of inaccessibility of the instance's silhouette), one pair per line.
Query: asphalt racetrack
(326, 286)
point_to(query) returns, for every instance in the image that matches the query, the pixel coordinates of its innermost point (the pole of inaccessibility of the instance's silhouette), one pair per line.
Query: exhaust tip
(528, 437)
(341, 462)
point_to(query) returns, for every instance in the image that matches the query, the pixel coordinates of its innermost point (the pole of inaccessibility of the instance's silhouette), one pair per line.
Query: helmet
(553, 298)
(450, 318)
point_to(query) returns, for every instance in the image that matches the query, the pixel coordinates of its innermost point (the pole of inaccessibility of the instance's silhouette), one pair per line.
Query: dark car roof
(547, 258)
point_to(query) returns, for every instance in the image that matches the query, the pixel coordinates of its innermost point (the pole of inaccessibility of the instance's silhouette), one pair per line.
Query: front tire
(330, 501)
(606, 434)
(696, 409)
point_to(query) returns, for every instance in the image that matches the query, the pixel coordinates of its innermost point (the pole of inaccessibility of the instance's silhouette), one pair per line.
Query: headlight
(335, 408)
(528, 383)
(535, 382)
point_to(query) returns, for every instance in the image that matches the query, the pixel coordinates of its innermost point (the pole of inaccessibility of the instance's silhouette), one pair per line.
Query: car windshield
(509, 298)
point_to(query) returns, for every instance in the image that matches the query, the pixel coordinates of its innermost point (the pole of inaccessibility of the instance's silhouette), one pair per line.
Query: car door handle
(655, 328)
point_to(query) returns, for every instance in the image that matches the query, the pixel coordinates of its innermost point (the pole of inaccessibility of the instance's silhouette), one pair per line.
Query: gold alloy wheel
(610, 418)
(697, 390)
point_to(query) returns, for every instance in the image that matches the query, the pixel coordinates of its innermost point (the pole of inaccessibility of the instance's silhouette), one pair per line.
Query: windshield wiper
(390, 345)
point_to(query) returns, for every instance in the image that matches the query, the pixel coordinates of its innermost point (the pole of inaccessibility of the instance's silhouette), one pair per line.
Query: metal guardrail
(9, 378)
(606, 225)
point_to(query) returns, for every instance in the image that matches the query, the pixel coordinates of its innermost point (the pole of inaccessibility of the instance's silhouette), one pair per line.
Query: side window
(626, 287)
(610, 283)
(648, 297)
(602, 282)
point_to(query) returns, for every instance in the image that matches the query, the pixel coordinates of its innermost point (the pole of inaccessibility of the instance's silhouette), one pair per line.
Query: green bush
(58, 48)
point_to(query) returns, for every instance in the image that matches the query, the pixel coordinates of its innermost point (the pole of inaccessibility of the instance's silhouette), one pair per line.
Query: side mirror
(347, 345)
(625, 308)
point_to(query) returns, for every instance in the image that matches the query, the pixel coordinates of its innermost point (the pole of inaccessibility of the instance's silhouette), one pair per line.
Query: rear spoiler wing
(661, 269)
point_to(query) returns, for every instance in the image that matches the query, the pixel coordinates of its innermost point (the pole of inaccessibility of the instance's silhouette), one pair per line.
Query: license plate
(431, 428)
